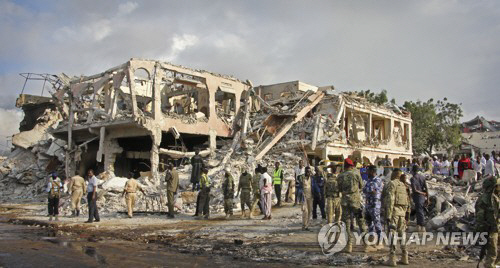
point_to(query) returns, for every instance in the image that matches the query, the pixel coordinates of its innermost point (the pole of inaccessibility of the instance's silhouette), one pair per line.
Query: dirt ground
(153, 240)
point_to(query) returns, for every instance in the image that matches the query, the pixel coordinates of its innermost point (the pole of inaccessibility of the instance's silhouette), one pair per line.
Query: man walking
(92, 197)
(77, 190)
(351, 184)
(278, 181)
(54, 189)
(299, 192)
(318, 188)
(332, 193)
(130, 189)
(204, 194)
(398, 204)
(172, 179)
(228, 193)
(196, 168)
(245, 187)
(256, 191)
(308, 198)
(419, 196)
(373, 194)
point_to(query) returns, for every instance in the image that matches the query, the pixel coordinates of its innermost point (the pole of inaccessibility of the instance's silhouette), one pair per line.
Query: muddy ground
(27, 238)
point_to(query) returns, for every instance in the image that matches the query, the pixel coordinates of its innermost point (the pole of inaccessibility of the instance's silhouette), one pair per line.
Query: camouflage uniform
(332, 194)
(487, 207)
(398, 204)
(245, 186)
(373, 193)
(256, 192)
(351, 184)
(228, 191)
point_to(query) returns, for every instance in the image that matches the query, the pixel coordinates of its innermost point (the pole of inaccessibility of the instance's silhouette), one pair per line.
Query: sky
(416, 50)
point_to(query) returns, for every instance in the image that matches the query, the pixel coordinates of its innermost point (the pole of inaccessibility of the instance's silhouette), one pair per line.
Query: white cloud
(179, 44)
(127, 8)
(9, 120)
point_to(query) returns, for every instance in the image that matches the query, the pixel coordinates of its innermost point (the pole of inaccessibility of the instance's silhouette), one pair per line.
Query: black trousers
(53, 206)
(93, 212)
(419, 202)
(318, 201)
(277, 190)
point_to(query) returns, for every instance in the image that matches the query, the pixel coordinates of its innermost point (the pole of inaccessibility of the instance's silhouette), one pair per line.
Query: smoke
(9, 122)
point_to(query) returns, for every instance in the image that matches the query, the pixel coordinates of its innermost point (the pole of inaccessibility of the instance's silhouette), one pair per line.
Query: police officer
(278, 181)
(245, 187)
(351, 185)
(419, 196)
(172, 179)
(487, 220)
(332, 193)
(131, 188)
(373, 193)
(204, 194)
(398, 204)
(77, 190)
(228, 192)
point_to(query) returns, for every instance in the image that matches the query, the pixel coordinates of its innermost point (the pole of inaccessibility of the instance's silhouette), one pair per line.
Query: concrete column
(213, 141)
(156, 92)
(370, 127)
(155, 155)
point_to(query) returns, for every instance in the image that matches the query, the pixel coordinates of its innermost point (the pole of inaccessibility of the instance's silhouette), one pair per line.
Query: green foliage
(378, 98)
(435, 125)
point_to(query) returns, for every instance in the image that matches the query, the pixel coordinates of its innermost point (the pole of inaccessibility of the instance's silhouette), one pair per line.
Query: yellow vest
(277, 176)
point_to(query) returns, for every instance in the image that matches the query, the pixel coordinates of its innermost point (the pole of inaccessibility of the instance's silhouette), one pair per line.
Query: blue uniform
(373, 192)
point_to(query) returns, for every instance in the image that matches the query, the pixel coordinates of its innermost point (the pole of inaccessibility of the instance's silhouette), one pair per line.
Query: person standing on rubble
(478, 167)
(420, 194)
(489, 168)
(278, 181)
(487, 213)
(299, 191)
(76, 189)
(266, 192)
(245, 187)
(307, 205)
(397, 207)
(318, 189)
(54, 188)
(92, 197)
(256, 191)
(204, 194)
(130, 189)
(196, 167)
(373, 195)
(228, 193)
(351, 184)
(172, 179)
(332, 193)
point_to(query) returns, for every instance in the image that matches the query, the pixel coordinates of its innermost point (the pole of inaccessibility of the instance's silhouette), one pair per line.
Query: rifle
(483, 250)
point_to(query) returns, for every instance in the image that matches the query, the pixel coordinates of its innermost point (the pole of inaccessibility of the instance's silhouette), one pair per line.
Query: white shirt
(49, 185)
(264, 176)
(455, 168)
(489, 169)
(483, 161)
(478, 167)
(299, 171)
(91, 184)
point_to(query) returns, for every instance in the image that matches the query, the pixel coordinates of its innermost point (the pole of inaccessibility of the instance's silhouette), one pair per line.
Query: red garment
(463, 164)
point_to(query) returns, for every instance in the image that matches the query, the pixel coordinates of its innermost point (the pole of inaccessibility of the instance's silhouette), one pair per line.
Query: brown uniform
(131, 187)
(77, 189)
(172, 179)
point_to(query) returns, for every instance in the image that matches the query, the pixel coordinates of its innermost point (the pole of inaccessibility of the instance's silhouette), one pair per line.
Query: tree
(378, 98)
(435, 125)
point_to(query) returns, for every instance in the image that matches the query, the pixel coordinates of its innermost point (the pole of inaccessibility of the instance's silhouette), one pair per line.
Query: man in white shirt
(92, 197)
(489, 168)
(445, 167)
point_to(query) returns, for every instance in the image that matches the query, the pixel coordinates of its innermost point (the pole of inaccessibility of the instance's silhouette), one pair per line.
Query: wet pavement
(29, 246)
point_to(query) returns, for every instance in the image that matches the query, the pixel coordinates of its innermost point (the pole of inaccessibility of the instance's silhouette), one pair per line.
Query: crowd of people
(376, 198)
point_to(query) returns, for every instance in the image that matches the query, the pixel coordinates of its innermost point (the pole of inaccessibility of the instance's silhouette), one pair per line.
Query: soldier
(228, 192)
(373, 194)
(487, 207)
(172, 179)
(398, 204)
(131, 187)
(308, 198)
(256, 191)
(332, 193)
(204, 194)
(77, 190)
(278, 181)
(245, 186)
(54, 189)
(351, 184)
